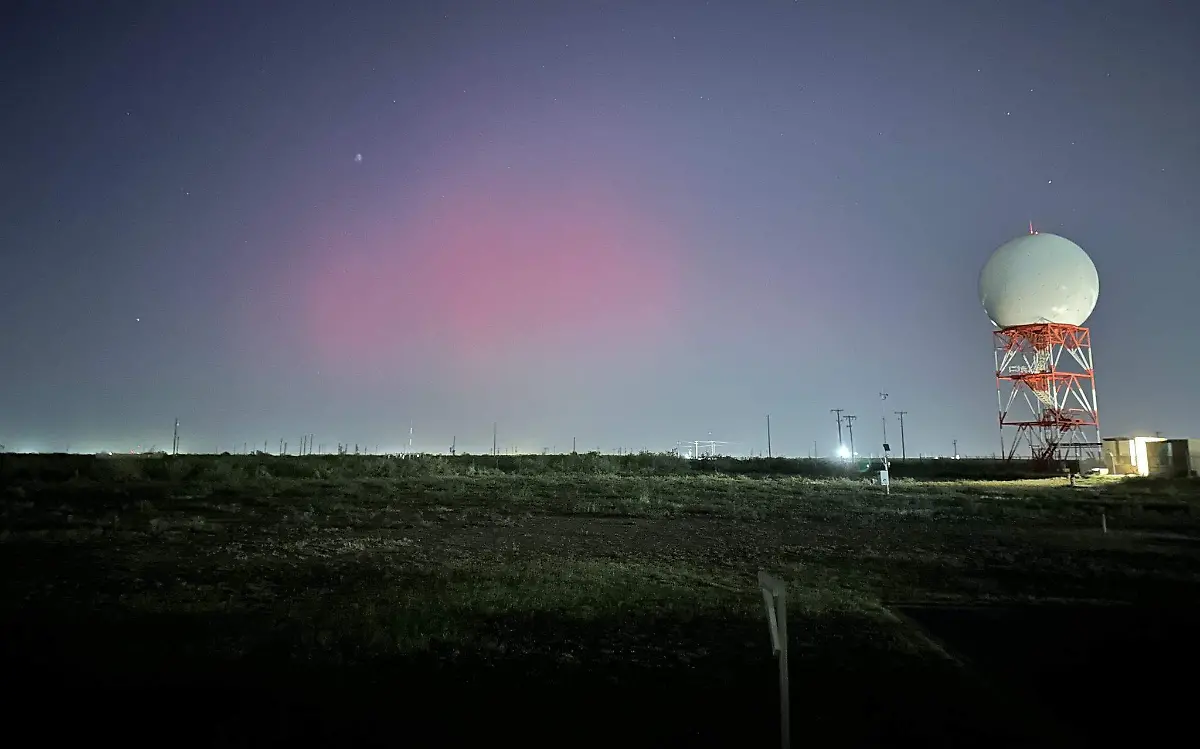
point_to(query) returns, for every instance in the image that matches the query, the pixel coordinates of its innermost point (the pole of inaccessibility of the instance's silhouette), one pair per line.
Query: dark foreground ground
(220, 609)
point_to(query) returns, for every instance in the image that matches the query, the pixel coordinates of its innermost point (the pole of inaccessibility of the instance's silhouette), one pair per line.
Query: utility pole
(769, 436)
(838, 411)
(453, 445)
(175, 439)
(573, 450)
(903, 455)
(850, 426)
(956, 448)
(493, 439)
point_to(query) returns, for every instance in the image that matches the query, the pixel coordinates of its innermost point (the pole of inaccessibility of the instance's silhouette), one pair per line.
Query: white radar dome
(1039, 278)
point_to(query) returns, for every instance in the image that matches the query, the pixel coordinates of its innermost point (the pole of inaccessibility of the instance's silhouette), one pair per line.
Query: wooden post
(774, 593)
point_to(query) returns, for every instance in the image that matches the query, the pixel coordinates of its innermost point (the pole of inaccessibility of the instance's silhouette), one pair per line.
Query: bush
(20, 468)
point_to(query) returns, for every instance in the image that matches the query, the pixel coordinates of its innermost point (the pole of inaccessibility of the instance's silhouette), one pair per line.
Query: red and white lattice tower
(1046, 389)
(1038, 290)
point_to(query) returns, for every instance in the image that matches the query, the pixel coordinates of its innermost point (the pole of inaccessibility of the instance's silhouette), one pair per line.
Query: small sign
(883, 478)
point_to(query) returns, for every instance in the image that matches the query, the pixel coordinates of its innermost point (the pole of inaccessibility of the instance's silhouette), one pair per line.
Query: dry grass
(597, 568)
(399, 563)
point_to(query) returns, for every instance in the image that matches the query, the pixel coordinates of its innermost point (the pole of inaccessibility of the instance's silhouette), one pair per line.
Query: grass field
(238, 600)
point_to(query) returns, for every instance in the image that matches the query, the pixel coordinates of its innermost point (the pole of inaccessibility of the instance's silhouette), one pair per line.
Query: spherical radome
(1038, 278)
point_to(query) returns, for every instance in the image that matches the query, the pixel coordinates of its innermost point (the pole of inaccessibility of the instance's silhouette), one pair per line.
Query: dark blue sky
(632, 223)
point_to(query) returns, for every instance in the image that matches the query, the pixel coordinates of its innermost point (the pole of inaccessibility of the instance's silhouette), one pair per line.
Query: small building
(1151, 456)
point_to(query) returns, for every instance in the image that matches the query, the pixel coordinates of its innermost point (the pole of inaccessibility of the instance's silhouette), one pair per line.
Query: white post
(884, 476)
(774, 593)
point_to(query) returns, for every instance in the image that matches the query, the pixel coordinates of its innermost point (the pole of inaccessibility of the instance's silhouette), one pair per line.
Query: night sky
(630, 223)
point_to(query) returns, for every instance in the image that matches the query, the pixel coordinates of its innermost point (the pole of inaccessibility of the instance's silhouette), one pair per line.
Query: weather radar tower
(1038, 290)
